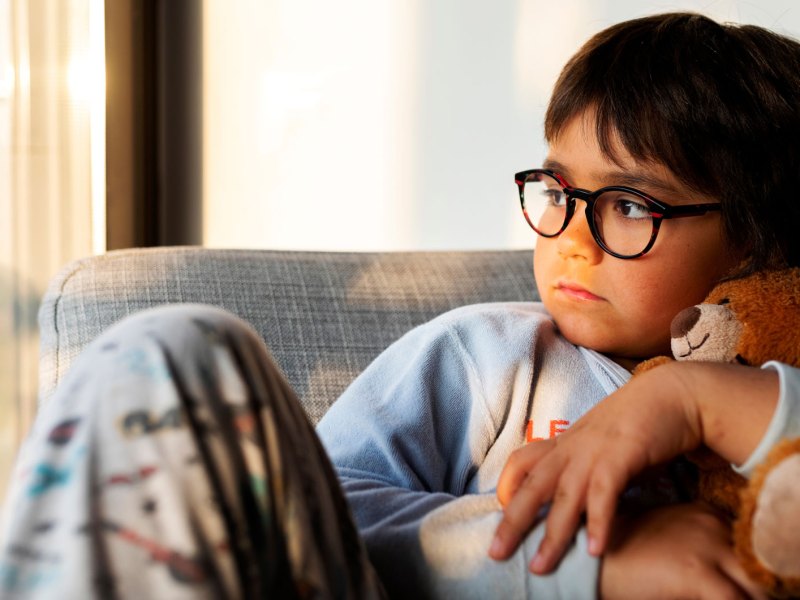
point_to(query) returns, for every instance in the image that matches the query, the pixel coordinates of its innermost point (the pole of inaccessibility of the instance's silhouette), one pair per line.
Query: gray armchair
(323, 315)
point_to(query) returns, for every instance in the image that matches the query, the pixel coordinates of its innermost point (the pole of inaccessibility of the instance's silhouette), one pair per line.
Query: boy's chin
(581, 333)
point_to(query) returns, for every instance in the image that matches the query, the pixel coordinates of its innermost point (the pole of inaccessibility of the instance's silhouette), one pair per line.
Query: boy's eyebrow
(632, 179)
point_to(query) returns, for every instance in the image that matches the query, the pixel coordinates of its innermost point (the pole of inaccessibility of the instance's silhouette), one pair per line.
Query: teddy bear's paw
(775, 539)
(651, 363)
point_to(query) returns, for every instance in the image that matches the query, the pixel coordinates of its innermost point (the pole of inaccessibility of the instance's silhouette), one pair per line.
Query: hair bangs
(628, 81)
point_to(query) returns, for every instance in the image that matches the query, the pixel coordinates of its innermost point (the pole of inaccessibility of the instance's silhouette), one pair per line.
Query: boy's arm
(656, 416)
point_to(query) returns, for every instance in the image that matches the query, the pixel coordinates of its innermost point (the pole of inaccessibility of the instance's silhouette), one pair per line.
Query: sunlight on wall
(321, 133)
(302, 140)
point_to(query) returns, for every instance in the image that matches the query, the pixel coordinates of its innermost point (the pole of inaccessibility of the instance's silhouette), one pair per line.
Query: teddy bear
(749, 321)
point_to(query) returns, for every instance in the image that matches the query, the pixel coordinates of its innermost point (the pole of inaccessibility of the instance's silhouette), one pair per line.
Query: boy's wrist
(728, 407)
(676, 388)
(685, 391)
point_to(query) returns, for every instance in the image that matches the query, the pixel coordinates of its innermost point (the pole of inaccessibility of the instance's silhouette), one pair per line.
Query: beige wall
(386, 124)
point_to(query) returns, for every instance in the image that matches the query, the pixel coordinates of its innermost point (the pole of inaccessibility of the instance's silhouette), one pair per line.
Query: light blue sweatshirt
(420, 438)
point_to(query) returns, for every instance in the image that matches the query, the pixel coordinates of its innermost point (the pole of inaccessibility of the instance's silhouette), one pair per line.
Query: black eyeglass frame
(658, 210)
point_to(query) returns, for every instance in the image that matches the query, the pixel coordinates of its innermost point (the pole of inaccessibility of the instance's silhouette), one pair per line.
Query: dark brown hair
(718, 104)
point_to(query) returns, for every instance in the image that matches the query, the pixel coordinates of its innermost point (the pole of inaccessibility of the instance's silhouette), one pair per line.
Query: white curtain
(51, 109)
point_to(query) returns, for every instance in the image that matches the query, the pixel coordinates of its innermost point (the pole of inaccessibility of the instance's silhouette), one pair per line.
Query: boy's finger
(520, 514)
(518, 466)
(562, 523)
(603, 493)
(506, 540)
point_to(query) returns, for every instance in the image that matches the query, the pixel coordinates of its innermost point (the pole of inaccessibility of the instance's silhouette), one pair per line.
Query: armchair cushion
(323, 315)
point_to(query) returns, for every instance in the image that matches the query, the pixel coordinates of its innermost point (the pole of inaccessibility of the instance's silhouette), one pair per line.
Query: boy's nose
(577, 240)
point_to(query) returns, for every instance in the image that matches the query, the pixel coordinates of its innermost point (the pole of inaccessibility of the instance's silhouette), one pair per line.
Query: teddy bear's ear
(768, 304)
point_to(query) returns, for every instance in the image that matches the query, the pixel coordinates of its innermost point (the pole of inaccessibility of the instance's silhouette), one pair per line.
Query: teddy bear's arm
(766, 533)
(651, 363)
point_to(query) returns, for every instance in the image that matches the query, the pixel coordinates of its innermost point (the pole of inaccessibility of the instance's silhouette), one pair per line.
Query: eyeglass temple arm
(691, 209)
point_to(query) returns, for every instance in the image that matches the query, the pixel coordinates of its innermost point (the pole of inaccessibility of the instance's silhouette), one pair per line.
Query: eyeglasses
(624, 221)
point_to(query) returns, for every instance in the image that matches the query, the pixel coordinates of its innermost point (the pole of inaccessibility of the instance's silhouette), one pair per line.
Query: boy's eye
(555, 197)
(630, 208)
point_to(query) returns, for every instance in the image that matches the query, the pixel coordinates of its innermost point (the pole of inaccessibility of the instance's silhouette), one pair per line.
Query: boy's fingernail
(495, 550)
(594, 546)
(538, 563)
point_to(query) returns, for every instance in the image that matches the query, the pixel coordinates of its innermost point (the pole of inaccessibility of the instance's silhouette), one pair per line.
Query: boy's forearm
(732, 404)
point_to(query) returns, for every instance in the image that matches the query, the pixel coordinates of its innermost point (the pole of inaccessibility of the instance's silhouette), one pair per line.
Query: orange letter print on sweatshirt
(556, 426)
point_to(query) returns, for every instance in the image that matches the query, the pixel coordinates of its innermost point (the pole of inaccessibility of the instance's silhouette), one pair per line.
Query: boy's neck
(624, 362)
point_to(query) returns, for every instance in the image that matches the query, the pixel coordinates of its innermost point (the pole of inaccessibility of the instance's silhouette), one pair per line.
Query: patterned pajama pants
(174, 461)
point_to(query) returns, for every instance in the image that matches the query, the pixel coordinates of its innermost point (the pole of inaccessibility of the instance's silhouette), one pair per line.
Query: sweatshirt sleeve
(785, 420)
(406, 439)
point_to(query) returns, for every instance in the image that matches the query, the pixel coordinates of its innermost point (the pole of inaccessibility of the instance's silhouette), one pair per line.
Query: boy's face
(623, 308)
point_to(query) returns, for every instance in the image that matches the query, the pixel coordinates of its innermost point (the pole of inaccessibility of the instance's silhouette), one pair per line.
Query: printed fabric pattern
(175, 462)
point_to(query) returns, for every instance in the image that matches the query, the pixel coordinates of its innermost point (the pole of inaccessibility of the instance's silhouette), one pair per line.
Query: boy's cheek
(543, 257)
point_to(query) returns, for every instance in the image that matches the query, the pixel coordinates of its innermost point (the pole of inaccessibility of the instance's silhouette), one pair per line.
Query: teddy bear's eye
(724, 301)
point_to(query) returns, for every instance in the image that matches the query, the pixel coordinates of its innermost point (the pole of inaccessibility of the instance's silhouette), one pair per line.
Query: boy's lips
(574, 290)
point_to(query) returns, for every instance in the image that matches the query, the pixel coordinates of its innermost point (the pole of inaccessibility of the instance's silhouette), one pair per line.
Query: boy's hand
(644, 423)
(653, 418)
(680, 551)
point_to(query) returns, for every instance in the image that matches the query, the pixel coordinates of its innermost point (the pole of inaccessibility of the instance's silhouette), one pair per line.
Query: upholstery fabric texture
(323, 315)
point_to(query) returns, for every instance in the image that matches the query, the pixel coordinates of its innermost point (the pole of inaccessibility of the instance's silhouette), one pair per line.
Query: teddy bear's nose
(684, 321)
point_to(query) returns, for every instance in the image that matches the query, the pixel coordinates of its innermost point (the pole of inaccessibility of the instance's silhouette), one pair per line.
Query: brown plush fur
(768, 306)
(749, 321)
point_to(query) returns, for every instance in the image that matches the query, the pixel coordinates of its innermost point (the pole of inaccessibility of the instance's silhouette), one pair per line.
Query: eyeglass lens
(622, 220)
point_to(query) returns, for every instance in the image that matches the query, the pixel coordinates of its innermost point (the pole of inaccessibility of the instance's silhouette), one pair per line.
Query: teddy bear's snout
(684, 321)
(705, 332)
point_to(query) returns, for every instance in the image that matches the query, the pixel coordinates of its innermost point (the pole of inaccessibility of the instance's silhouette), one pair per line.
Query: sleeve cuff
(785, 420)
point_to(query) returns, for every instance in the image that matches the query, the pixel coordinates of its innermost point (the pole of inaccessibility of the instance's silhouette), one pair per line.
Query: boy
(751, 89)
(689, 129)
(232, 496)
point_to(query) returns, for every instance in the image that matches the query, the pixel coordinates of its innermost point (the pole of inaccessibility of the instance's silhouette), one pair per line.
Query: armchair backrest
(323, 315)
